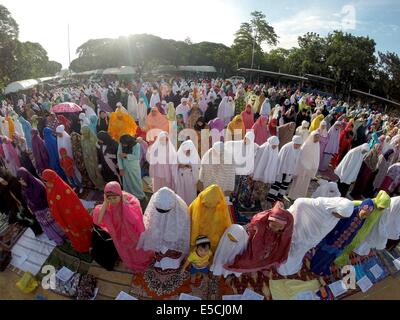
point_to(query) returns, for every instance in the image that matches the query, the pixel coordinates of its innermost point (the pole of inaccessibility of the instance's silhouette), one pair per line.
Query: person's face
(22, 182)
(103, 115)
(296, 146)
(202, 252)
(275, 226)
(163, 140)
(59, 134)
(274, 146)
(113, 198)
(3, 182)
(363, 214)
(316, 138)
(187, 153)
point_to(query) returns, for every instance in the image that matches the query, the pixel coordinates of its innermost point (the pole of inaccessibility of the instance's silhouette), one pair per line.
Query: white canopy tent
(20, 85)
(113, 71)
(124, 70)
(210, 69)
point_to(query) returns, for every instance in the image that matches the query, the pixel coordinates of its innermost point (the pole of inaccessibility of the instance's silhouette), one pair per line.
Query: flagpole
(69, 50)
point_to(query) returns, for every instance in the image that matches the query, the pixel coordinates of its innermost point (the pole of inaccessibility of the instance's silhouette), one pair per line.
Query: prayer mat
(66, 256)
(30, 252)
(10, 236)
(111, 283)
(387, 257)
(169, 284)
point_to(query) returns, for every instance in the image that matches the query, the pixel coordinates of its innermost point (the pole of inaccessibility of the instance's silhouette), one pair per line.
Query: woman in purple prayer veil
(40, 152)
(34, 193)
(217, 124)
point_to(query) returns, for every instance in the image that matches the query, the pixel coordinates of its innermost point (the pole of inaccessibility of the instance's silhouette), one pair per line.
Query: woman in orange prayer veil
(121, 123)
(68, 211)
(156, 120)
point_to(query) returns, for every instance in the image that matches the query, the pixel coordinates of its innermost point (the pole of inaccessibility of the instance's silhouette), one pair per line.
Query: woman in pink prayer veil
(122, 217)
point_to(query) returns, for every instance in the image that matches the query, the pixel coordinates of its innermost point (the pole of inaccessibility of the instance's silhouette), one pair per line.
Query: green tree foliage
(8, 43)
(387, 75)
(147, 51)
(21, 60)
(351, 58)
(253, 33)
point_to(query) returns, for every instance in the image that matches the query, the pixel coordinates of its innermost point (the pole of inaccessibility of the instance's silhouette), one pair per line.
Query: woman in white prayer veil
(217, 168)
(188, 171)
(388, 228)
(326, 189)
(155, 98)
(132, 106)
(64, 141)
(88, 111)
(84, 120)
(167, 229)
(162, 158)
(142, 113)
(266, 161)
(265, 108)
(307, 166)
(313, 220)
(226, 110)
(232, 243)
(349, 167)
(243, 152)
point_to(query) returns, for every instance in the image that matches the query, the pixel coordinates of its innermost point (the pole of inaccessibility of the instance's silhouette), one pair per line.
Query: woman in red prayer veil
(68, 211)
(346, 138)
(270, 234)
(122, 217)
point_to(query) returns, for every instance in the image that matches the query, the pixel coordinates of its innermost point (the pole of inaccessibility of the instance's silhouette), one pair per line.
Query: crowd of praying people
(265, 145)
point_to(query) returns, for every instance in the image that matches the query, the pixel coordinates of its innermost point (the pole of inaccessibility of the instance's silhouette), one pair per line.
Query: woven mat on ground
(66, 256)
(387, 258)
(168, 285)
(259, 282)
(10, 236)
(111, 283)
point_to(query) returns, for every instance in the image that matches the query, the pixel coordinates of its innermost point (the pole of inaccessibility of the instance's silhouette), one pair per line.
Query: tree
(21, 60)
(249, 38)
(263, 31)
(8, 37)
(276, 59)
(351, 58)
(312, 54)
(387, 75)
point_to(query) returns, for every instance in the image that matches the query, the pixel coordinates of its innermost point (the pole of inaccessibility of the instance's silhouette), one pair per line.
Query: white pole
(252, 55)
(69, 50)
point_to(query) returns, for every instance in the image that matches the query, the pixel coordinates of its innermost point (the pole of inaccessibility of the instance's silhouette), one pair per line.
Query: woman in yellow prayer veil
(121, 123)
(209, 215)
(171, 112)
(236, 124)
(11, 128)
(381, 202)
(316, 122)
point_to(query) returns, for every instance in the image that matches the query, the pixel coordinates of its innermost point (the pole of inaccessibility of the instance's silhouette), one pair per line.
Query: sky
(46, 21)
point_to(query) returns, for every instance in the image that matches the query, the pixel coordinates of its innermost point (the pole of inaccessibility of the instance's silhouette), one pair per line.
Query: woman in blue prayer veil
(336, 241)
(27, 128)
(143, 96)
(51, 144)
